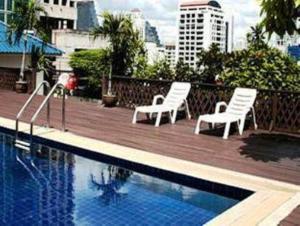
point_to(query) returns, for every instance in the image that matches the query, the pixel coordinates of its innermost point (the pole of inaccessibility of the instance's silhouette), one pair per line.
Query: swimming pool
(54, 187)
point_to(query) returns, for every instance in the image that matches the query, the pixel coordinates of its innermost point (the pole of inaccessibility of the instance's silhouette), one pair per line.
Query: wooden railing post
(274, 111)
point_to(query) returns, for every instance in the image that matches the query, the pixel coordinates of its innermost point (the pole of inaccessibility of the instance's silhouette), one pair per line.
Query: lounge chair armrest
(156, 98)
(219, 105)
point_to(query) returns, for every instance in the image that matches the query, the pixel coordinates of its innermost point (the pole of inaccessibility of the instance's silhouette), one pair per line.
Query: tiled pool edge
(276, 192)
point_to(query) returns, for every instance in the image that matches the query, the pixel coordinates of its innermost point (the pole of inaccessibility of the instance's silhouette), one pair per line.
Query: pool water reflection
(52, 187)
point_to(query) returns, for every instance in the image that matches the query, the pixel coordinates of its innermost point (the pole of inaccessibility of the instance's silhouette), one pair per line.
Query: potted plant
(118, 30)
(109, 99)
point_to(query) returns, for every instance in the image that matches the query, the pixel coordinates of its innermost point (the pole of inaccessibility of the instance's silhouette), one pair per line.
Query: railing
(275, 110)
(46, 101)
(28, 102)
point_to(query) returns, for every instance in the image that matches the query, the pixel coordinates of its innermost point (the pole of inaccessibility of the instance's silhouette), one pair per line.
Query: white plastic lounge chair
(236, 111)
(175, 99)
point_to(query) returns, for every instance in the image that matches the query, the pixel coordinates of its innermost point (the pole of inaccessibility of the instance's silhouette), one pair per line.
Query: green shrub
(159, 70)
(266, 68)
(91, 64)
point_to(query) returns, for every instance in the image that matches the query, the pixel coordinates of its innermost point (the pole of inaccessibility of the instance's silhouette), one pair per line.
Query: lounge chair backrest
(177, 94)
(241, 101)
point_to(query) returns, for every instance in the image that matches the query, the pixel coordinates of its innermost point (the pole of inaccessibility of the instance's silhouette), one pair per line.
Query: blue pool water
(52, 187)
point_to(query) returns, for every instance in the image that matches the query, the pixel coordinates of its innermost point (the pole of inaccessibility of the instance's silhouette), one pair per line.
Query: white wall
(70, 40)
(60, 11)
(13, 60)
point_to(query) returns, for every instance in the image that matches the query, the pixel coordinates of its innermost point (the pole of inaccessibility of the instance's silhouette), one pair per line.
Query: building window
(64, 2)
(71, 3)
(55, 2)
(46, 1)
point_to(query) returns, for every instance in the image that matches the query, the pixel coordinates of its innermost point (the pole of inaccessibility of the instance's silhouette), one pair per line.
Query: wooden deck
(275, 156)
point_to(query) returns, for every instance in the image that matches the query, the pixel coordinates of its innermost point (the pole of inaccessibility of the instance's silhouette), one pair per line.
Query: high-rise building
(170, 54)
(86, 15)
(5, 9)
(151, 34)
(139, 22)
(200, 24)
(148, 33)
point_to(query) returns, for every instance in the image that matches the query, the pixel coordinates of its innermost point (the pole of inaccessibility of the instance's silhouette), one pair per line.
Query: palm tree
(119, 30)
(280, 16)
(25, 20)
(256, 38)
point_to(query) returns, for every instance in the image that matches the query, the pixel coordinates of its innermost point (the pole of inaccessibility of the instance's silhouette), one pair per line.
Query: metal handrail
(28, 102)
(46, 101)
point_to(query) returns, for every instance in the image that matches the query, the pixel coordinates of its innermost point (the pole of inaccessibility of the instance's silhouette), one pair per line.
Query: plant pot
(21, 86)
(109, 100)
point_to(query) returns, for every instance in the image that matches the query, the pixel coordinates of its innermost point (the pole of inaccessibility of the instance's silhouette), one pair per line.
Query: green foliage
(279, 16)
(256, 38)
(260, 66)
(183, 72)
(91, 64)
(140, 67)
(125, 43)
(39, 61)
(265, 69)
(25, 17)
(160, 70)
(210, 63)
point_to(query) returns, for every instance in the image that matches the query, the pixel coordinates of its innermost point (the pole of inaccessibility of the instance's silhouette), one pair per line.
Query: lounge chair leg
(226, 132)
(254, 118)
(213, 125)
(187, 109)
(238, 122)
(134, 117)
(174, 117)
(198, 125)
(242, 125)
(158, 118)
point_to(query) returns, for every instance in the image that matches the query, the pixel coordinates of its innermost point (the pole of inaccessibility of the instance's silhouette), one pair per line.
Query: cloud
(163, 14)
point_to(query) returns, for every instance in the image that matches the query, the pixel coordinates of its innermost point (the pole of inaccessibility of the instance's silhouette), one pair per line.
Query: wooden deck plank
(275, 156)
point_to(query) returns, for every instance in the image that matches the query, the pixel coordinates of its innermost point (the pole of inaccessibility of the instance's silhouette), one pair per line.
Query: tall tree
(183, 72)
(210, 63)
(256, 38)
(25, 19)
(124, 42)
(279, 16)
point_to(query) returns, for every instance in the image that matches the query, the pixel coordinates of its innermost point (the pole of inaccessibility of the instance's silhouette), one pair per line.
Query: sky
(163, 14)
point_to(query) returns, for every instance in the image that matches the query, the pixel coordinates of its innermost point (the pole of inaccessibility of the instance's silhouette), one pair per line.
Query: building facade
(86, 15)
(170, 54)
(200, 24)
(149, 35)
(61, 14)
(80, 40)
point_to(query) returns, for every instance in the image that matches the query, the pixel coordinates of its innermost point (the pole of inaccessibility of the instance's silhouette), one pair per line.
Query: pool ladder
(27, 145)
